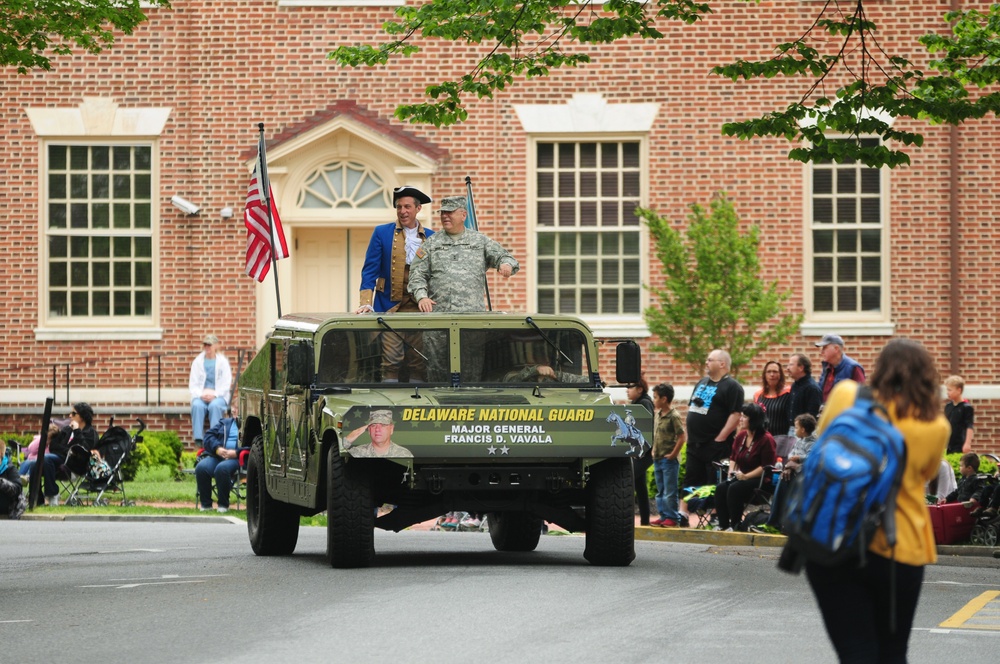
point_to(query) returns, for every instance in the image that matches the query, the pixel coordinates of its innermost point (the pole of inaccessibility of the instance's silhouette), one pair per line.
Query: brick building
(110, 288)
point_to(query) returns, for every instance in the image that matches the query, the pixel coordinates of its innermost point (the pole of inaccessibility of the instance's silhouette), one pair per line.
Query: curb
(152, 518)
(719, 538)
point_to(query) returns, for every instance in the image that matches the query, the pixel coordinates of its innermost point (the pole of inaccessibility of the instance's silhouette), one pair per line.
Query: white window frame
(859, 322)
(98, 327)
(602, 324)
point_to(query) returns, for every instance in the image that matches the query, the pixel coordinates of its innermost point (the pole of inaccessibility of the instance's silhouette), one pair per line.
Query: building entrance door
(328, 264)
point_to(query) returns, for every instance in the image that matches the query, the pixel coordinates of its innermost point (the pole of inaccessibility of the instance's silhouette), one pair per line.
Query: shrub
(157, 448)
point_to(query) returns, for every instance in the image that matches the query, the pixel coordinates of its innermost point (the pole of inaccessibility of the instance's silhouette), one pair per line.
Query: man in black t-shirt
(960, 415)
(713, 413)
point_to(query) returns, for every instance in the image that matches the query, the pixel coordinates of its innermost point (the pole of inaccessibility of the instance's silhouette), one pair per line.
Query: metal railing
(243, 355)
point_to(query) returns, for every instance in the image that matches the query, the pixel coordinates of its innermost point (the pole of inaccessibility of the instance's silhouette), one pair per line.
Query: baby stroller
(114, 447)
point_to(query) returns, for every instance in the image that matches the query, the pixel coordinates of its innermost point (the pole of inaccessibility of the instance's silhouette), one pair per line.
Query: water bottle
(778, 467)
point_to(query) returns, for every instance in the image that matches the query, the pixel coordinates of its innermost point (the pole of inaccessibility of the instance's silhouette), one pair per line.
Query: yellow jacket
(925, 446)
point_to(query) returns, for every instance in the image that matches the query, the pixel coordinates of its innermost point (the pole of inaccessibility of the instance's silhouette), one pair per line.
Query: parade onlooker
(713, 413)
(638, 394)
(752, 450)
(805, 395)
(960, 415)
(668, 441)
(859, 603)
(210, 380)
(836, 365)
(774, 397)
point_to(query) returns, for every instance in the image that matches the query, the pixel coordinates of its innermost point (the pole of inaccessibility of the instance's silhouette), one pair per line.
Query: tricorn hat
(407, 190)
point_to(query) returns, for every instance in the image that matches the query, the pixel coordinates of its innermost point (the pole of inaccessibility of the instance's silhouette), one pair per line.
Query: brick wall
(222, 66)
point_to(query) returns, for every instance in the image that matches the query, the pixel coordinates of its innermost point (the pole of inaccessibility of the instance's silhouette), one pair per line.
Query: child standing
(960, 415)
(668, 440)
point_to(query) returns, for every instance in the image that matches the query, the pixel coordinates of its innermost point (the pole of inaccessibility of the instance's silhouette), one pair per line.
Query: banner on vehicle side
(499, 432)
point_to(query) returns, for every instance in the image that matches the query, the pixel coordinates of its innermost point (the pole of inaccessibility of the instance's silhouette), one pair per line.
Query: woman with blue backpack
(868, 608)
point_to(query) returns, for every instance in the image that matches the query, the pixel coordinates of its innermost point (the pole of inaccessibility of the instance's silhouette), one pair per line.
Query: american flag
(258, 237)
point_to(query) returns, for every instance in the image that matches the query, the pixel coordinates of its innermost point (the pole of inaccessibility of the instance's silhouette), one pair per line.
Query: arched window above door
(344, 184)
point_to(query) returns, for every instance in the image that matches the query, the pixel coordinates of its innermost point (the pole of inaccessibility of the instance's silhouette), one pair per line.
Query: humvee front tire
(514, 531)
(350, 513)
(272, 524)
(610, 540)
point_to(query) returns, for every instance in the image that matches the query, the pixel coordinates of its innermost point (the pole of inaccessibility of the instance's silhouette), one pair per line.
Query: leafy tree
(34, 29)
(529, 38)
(713, 295)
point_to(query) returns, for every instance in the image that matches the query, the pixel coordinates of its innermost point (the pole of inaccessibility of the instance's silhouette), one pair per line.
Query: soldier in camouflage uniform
(448, 273)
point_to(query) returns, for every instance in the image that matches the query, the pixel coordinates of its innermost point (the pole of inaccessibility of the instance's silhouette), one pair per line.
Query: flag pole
(474, 221)
(265, 190)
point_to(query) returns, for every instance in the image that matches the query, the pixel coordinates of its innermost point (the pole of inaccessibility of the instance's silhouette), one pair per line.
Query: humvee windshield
(492, 356)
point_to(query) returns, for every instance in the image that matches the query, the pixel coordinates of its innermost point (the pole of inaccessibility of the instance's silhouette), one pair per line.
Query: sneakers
(24, 480)
(54, 501)
(657, 522)
(470, 522)
(668, 523)
(202, 508)
(222, 510)
(451, 522)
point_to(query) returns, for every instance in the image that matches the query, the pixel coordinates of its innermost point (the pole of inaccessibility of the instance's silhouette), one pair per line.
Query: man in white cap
(836, 365)
(385, 276)
(209, 383)
(379, 428)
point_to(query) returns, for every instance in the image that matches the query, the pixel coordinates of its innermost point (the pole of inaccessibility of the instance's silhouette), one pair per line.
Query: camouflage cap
(452, 203)
(380, 417)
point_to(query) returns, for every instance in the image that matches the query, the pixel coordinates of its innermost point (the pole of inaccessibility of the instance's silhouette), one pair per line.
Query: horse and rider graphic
(628, 432)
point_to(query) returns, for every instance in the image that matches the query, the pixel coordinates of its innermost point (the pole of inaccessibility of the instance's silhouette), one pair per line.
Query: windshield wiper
(381, 321)
(533, 324)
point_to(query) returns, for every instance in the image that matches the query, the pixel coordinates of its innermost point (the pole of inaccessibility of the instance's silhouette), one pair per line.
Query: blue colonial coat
(383, 281)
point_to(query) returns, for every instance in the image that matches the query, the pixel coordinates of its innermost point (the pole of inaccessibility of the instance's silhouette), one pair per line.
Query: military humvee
(493, 413)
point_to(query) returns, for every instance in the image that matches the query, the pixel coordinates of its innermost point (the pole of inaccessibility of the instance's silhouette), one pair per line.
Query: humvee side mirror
(628, 363)
(301, 362)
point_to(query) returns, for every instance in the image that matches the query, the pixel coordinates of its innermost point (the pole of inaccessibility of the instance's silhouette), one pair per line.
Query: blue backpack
(847, 488)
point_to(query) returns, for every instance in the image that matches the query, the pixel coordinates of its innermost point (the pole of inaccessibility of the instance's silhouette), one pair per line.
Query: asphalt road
(194, 592)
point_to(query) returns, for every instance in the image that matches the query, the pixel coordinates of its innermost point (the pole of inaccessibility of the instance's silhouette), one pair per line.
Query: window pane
(122, 158)
(99, 187)
(100, 156)
(79, 247)
(822, 269)
(567, 184)
(544, 154)
(870, 181)
(78, 215)
(567, 301)
(78, 158)
(57, 157)
(609, 271)
(123, 275)
(822, 181)
(58, 246)
(588, 213)
(100, 215)
(123, 247)
(567, 272)
(102, 275)
(630, 244)
(588, 184)
(609, 184)
(630, 271)
(546, 272)
(79, 304)
(871, 298)
(630, 301)
(57, 303)
(57, 215)
(123, 303)
(847, 268)
(822, 242)
(143, 303)
(609, 155)
(143, 247)
(609, 302)
(79, 274)
(122, 186)
(546, 244)
(143, 215)
(567, 213)
(823, 298)
(846, 181)
(871, 211)
(57, 185)
(143, 274)
(588, 301)
(847, 298)
(588, 155)
(630, 155)
(588, 272)
(100, 246)
(871, 268)
(567, 155)
(546, 302)
(102, 303)
(123, 215)
(847, 210)
(142, 186)
(871, 241)
(588, 244)
(822, 211)
(847, 241)
(57, 274)
(610, 213)
(545, 189)
(546, 214)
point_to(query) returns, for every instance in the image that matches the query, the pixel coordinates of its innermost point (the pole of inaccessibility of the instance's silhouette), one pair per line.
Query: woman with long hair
(753, 449)
(857, 603)
(774, 396)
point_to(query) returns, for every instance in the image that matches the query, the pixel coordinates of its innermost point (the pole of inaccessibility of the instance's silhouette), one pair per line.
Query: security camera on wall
(184, 205)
